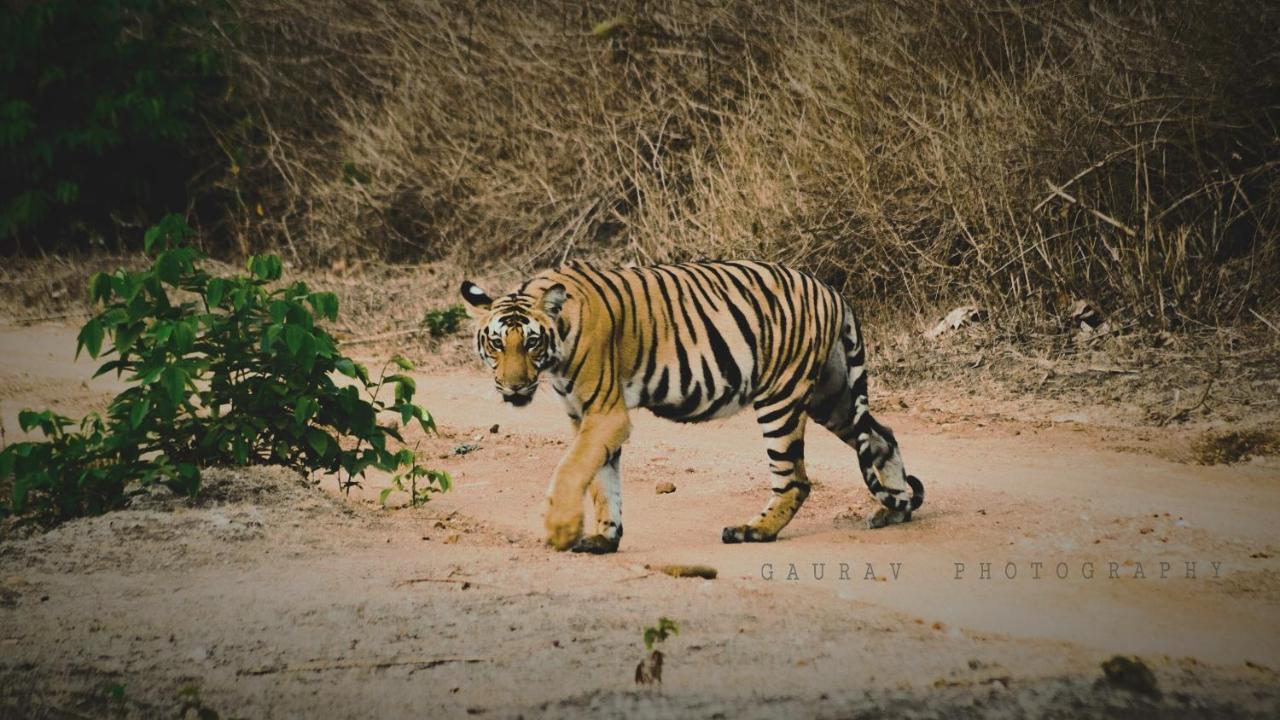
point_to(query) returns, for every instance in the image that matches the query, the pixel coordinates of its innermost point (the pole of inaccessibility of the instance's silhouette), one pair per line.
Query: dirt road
(271, 598)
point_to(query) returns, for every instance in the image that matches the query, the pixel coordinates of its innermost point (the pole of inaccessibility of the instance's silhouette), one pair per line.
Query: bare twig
(1264, 320)
(1179, 414)
(1082, 173)
(323, 666)
(1101, 216)
(457, 581)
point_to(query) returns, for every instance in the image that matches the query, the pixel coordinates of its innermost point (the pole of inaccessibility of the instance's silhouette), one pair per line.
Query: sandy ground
(272, 597)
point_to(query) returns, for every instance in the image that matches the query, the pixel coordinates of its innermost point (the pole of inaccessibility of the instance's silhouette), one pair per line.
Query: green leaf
(90, 338)
(269, 338)
(345, 366)
(266, 267)
(405, 387)
(138, 412)
(401, 362)
(99, 287)
(174, 381)
(214, 292)
(362, 373)
(293, 338)
(382, 496)
(425, 419)
(279, 310)
(147, 376)
(169, 267)
(305, 408)
(318, 440)
(184, 337)
(117, 365)
(325, 304)
(28, 419)
(150, 238)
(126, 336)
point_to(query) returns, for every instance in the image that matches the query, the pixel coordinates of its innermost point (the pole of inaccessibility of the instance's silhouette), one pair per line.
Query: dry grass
(1020, 155)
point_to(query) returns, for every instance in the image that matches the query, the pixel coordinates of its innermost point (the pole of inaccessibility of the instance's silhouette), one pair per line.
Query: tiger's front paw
(596, 545)
(563, 530)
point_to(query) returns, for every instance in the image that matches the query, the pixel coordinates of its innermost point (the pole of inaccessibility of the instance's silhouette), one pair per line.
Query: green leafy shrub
(649, 671)
(408, 482)
(221, 371)
(100, 112)
(660, 632)
(444, 321)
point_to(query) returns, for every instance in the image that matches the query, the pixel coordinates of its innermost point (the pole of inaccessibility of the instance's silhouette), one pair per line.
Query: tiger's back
(694, 341)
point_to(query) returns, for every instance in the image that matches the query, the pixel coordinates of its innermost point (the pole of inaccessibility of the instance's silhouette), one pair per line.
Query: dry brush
(1019, 155)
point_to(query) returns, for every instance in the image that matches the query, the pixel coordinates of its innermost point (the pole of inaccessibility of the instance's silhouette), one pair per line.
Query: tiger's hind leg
(783, 425)
(840, 405)
(881, 463)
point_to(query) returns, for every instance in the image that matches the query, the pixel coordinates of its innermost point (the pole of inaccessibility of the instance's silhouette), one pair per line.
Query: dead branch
(322, 666)
(1179, 414)
(1100, 215)
(1082, 173)
(1264, 320)
(457, 581)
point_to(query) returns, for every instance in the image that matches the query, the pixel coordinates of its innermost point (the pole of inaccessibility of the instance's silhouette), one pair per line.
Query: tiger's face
(516, 336)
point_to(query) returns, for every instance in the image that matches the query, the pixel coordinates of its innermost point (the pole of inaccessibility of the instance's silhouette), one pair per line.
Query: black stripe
(794, 451)
(786, 428)
(802, 487)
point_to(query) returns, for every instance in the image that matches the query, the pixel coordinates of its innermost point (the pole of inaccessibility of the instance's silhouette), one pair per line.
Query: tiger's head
(517, 336)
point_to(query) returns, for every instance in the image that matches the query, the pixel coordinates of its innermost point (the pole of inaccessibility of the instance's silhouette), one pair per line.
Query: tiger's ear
(474, 296)
(553, 299)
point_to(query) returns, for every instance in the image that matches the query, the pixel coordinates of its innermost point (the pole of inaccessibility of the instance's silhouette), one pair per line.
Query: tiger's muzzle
(518, 396)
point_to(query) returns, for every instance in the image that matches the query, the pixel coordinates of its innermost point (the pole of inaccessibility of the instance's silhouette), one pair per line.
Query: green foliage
(221, 370)
(660, 632)
(99, 104)
(431, 480)
(444, 321)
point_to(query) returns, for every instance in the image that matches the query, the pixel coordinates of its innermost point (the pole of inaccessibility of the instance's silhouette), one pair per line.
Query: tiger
(689, 342)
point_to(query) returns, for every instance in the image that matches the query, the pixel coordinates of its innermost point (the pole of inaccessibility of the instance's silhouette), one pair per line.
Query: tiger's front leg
(599, 439)
(606, 494)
